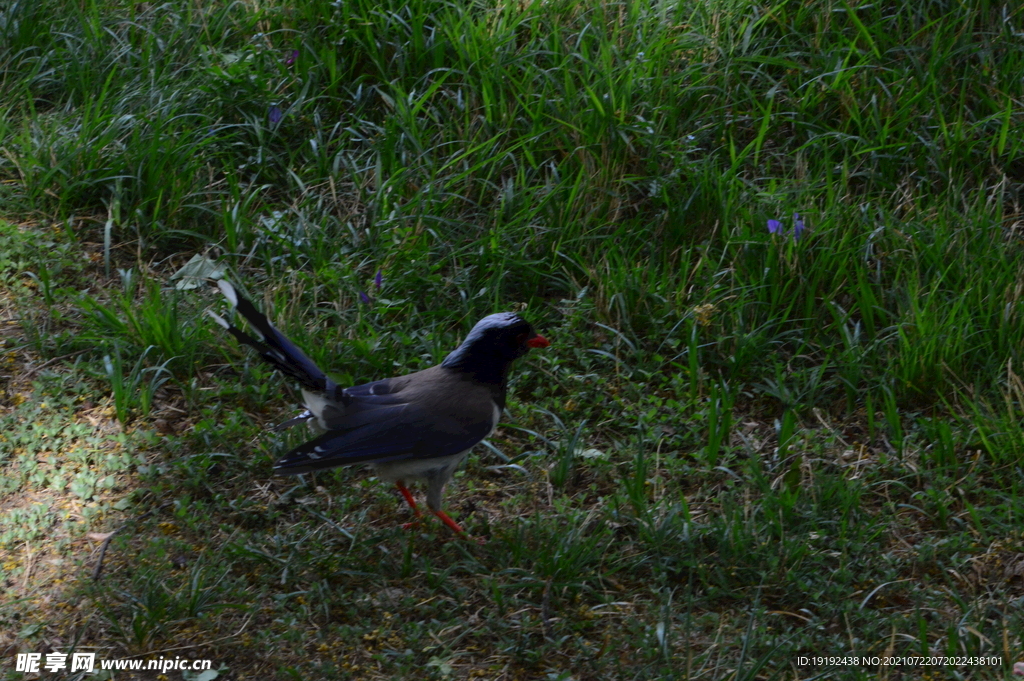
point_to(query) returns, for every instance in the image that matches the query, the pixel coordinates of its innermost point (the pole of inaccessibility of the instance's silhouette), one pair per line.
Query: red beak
(538, 341)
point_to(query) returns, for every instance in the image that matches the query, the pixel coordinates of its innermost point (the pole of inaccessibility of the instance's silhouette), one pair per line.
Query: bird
(419, 426)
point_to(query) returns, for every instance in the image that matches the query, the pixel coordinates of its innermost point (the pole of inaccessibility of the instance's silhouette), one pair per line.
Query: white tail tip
(229, 292)
(217, 318)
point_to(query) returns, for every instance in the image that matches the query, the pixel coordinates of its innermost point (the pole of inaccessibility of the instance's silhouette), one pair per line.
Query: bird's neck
(486, 369)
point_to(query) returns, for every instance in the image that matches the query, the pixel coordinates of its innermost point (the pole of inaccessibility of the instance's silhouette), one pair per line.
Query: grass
(742, 448)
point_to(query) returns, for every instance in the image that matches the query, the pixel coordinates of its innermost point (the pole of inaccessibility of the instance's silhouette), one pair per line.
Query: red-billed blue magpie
(418, 426)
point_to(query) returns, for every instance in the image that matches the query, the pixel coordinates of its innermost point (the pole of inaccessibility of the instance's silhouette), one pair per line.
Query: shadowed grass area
(776, 248)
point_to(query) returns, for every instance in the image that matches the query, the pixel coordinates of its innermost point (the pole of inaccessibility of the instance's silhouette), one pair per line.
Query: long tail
(273, 346)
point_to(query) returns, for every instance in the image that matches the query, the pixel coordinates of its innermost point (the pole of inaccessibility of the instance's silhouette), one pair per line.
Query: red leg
(412, 504)
(455, 526)
(449, 522)
(440, 514)
(408, 498)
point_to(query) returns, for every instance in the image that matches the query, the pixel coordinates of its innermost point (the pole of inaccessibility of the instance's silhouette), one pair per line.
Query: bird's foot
(442, 516)
(449, 522)
(457, 529)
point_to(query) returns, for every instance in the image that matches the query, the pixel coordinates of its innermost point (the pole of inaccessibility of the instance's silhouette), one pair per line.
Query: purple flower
(798, 227)
(290, 59)
(776, 227)
(378, 280)
(365, 299)
(275, 114)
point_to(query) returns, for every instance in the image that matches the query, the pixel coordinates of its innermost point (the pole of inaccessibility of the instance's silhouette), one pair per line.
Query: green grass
(741, 448)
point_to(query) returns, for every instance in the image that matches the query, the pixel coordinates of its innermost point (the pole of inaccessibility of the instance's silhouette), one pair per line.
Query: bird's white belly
(412, 469)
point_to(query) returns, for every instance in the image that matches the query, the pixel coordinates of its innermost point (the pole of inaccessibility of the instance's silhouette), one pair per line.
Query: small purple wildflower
(290, 59)
(798, 227)
(774, 227)
(378, 280)
(275, 114)
(365, 299)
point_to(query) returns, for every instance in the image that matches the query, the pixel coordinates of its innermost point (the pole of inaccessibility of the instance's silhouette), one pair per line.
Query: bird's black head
(493, 344)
